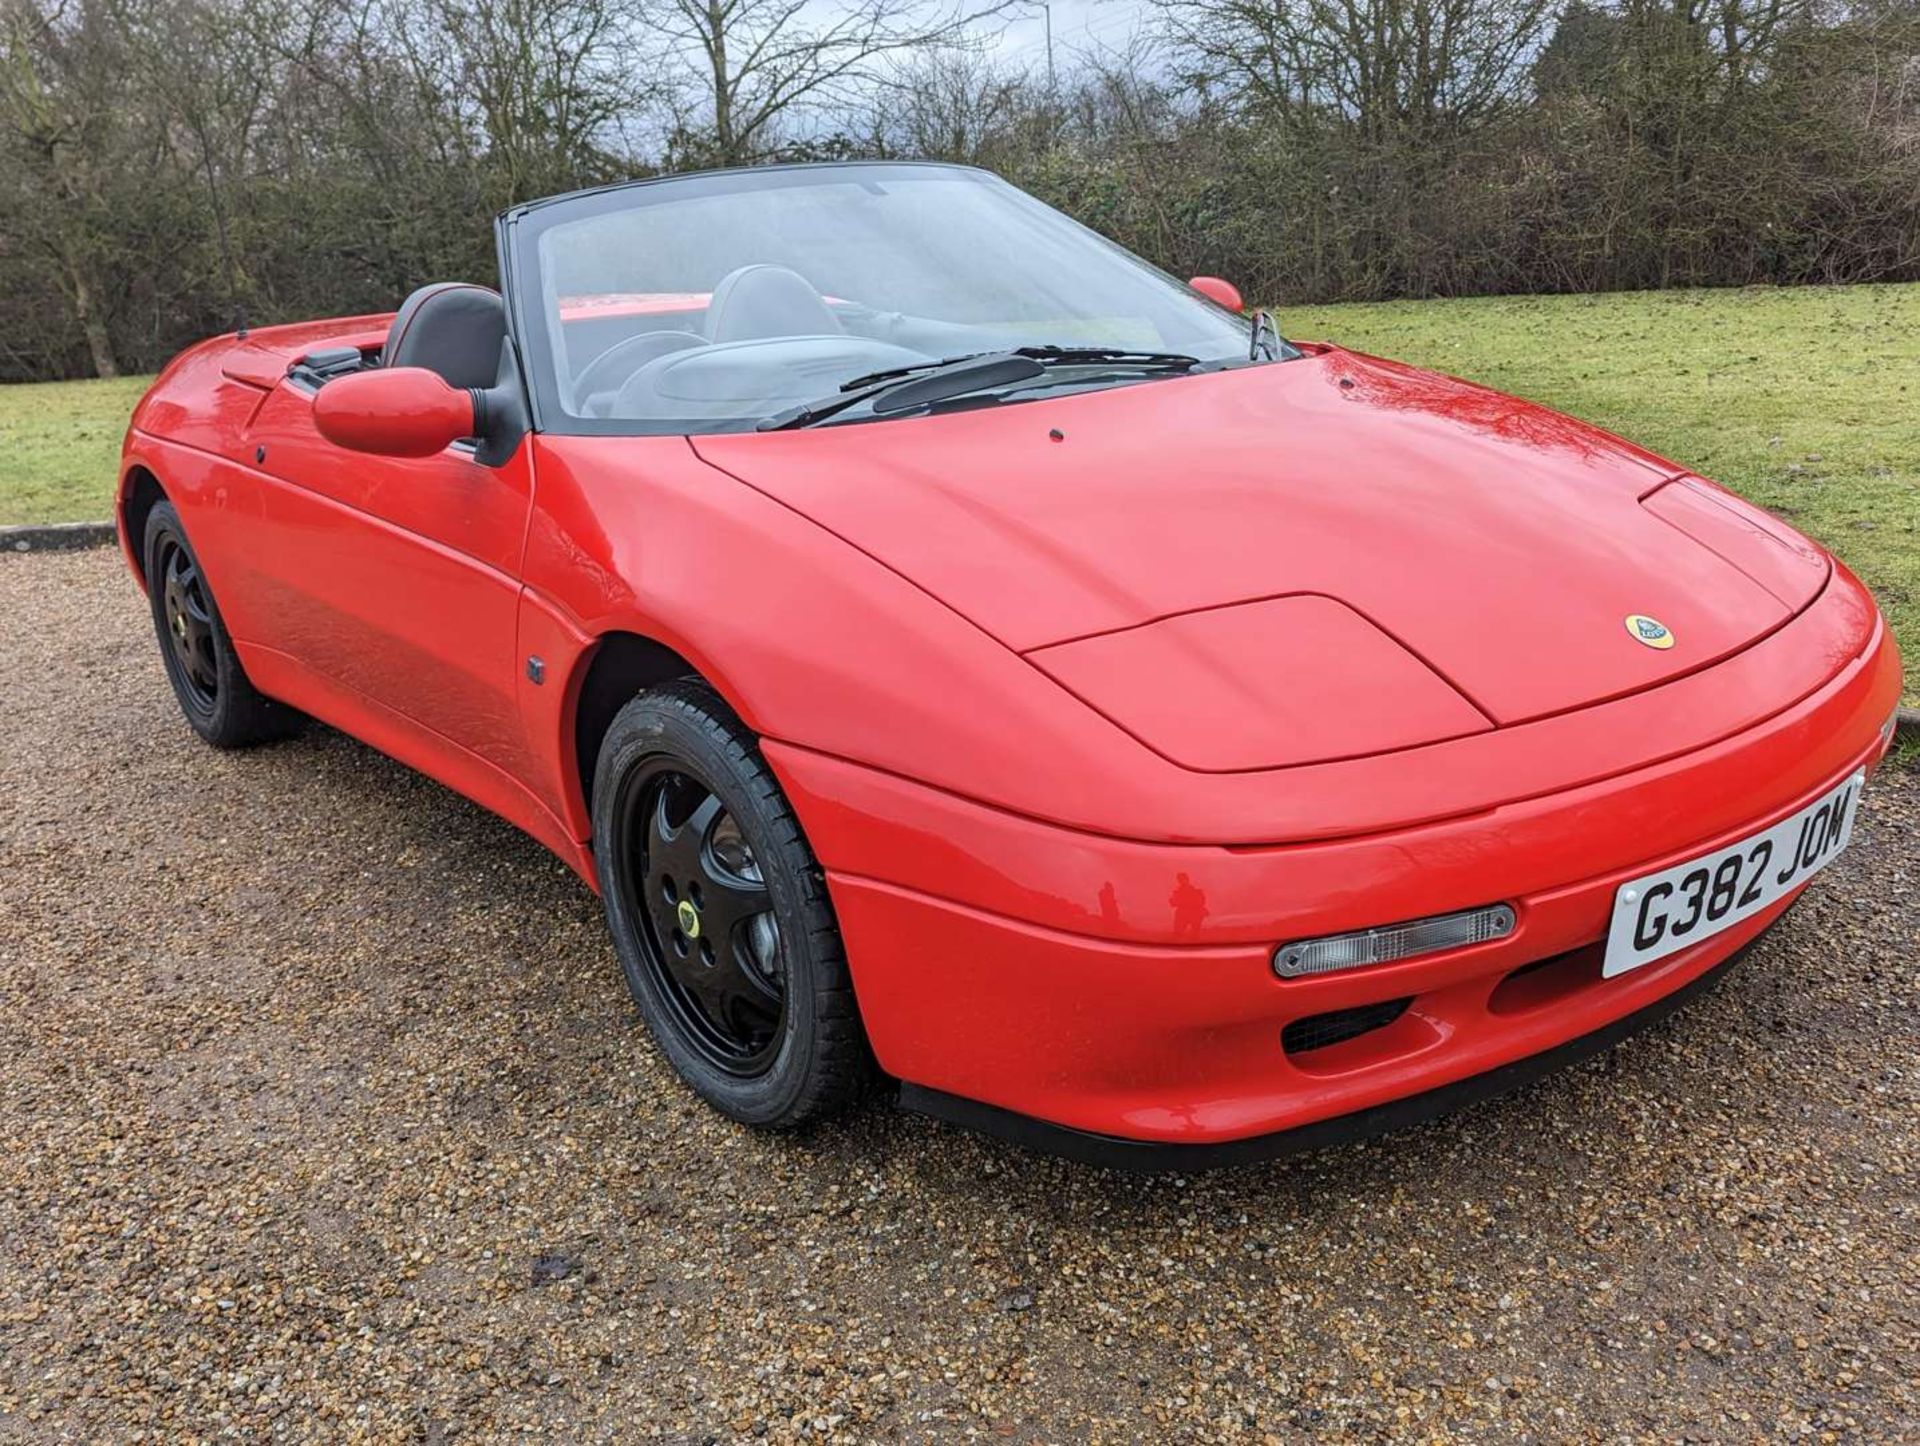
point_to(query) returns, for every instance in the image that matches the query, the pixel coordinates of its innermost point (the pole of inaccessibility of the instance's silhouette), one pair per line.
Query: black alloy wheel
(189, 622)
(213, 690)
(720, 914)
(707, 920)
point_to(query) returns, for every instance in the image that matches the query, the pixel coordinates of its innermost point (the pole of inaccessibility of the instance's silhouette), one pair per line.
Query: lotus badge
(1650, 631)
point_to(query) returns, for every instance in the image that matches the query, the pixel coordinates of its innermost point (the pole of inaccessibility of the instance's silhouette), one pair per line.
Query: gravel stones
(324, 1114)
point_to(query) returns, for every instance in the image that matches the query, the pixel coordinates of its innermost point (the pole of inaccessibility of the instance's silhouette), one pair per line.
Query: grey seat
(753, 303)
(451, 327)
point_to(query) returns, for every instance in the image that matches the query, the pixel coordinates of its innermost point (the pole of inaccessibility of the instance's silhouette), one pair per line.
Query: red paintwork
(1082, 729)
(397, 412)
(1246, 686)
(633, 303)
(649, 303)
(1215, 289)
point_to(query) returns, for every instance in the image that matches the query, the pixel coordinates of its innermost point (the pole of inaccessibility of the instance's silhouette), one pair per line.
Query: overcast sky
(1078, 25)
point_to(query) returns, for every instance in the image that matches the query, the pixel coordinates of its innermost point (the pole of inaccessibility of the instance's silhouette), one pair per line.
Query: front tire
(720, 916)
(219, 701)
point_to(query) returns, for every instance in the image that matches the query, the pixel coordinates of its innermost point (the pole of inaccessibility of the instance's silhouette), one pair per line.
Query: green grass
(60, 448)
(1906, 752)
(1805, 400)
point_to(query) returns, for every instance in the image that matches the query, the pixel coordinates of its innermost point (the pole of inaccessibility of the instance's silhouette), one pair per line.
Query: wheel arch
(616, 667)
(140, 492)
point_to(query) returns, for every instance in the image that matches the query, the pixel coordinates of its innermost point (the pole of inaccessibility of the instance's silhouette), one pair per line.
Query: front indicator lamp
(1396, 941)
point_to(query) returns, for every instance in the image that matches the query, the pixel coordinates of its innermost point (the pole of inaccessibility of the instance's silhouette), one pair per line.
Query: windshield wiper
(1047, 355)
(902, 389)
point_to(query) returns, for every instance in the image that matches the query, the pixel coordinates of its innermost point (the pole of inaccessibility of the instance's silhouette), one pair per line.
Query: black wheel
(720, 914)
(220, 703)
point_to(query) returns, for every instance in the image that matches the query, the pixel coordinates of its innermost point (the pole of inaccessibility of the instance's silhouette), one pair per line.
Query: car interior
(764, 338)
(454, 328)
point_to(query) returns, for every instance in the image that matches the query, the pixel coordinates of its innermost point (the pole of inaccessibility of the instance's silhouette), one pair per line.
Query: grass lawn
(1806, 400)
(60, 448)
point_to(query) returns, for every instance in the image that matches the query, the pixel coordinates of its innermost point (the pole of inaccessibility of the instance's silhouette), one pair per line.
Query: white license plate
(1655, 915)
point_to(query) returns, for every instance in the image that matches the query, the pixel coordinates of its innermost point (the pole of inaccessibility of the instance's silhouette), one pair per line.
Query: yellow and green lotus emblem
(1651, 631)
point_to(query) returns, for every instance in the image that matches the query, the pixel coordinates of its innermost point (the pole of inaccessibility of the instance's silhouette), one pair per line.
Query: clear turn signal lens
(1396, 941)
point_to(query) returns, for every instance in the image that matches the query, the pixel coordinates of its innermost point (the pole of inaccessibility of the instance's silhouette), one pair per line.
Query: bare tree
(63, 130)
(548, 79)
(161, 159)
(208, 68)
(750, 69)
(1386, 67)
(955, 106)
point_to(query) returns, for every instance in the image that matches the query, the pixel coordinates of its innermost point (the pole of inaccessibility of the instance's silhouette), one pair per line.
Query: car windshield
(713, 302)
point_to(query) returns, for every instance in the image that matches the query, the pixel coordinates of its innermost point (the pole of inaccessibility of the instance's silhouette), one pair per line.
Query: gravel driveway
(324, 1114)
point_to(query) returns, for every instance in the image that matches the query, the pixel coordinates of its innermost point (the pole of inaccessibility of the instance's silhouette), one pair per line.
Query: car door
(396, 578)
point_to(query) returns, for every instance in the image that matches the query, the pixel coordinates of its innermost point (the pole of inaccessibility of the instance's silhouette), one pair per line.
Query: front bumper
(1124, 991)
(1119, 1153)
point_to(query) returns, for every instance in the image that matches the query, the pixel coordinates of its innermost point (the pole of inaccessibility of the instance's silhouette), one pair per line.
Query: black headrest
(450, 327)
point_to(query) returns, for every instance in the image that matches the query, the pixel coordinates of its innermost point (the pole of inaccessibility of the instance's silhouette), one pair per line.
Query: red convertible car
(960, 654)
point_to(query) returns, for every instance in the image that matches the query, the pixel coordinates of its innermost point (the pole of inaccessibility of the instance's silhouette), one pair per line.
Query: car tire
(720, 915)
(213, 690)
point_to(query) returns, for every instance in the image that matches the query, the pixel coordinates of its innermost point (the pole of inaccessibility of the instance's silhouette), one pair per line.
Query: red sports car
(959, 653)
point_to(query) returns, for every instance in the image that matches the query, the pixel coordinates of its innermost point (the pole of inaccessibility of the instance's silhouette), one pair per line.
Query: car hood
(1221, 544)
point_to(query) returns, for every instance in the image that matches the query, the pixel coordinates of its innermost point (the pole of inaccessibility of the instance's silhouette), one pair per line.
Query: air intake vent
(1317, 1031)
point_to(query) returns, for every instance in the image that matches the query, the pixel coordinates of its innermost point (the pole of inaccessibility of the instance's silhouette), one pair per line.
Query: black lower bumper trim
(1119, 1153)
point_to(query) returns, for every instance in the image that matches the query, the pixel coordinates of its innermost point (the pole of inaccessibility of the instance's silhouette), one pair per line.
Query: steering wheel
(610, 370)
